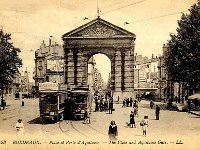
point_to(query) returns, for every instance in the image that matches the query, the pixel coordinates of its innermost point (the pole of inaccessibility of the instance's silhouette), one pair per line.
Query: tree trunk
(179, 91)
(2, 97)
(183, 92)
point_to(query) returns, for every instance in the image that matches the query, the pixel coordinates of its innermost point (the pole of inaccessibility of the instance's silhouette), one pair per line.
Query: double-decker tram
(77, 102)
(52, 98)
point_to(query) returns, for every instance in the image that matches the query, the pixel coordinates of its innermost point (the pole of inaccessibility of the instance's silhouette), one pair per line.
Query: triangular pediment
(98, 28)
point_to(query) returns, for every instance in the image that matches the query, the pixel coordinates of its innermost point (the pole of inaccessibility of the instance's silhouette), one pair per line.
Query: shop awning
(195, 96)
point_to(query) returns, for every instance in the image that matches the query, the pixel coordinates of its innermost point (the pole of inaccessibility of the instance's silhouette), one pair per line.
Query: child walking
(144, 125)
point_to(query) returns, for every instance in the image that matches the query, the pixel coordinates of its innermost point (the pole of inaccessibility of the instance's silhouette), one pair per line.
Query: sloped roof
(104, 27)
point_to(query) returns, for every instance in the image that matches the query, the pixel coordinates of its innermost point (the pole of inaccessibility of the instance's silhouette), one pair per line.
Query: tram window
(79, 98)
(50, 99)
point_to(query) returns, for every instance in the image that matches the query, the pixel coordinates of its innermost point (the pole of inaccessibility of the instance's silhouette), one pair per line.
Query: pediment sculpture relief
(98, 30)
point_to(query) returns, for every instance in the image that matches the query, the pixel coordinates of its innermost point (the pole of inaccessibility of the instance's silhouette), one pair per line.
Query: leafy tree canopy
(183, 56)
(9, 60)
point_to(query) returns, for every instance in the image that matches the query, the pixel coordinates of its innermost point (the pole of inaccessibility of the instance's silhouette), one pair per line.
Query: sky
(30, 22)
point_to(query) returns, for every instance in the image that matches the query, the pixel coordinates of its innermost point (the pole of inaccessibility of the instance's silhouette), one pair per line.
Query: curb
(194, 113)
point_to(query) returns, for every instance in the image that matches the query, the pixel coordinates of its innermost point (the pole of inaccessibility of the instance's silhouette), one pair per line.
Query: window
(47, 78)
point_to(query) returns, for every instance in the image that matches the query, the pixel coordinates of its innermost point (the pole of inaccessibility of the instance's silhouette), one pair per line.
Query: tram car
(77, 102)
(52, 101)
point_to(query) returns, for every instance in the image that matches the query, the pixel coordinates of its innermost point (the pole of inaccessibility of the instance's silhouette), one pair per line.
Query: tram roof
(80, 91)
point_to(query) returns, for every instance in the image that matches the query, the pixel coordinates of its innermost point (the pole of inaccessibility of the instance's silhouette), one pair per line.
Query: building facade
(49, 64)
(19, 86)
(145, 74)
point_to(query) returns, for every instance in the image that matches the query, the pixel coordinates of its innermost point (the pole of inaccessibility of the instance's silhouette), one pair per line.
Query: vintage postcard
(99, 74)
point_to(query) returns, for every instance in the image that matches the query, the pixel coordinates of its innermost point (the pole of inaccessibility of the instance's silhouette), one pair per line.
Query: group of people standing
(104, 105)
(127, 102)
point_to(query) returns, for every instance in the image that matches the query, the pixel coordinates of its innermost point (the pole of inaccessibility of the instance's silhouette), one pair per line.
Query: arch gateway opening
(100, 36)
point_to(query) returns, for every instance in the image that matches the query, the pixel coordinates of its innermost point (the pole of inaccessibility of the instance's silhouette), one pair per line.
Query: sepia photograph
(99, 74)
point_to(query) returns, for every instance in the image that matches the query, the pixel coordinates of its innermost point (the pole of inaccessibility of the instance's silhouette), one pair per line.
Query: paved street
(172, 125)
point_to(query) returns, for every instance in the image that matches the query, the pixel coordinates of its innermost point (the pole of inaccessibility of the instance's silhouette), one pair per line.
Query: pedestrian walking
(110, 106)
(127, 102)
(151, 104)
(105, 105)
(132, 120)
(135, 104)
(22, 103)
(112, 131)
(86, 116)
(97, 106)
(124, 103)
(101, 105)
(118, 100)
(145, 124)
(3, 104)
(157, 112)
(135, 110)
(19, 127)
(131, 102)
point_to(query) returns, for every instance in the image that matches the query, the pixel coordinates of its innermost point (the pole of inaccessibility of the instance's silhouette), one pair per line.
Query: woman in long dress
(112, 131)
(132, 120)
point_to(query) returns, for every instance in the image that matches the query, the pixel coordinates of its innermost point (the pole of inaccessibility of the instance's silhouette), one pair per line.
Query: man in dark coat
(127, 102)
(157, 112)
(105, 105)
(112, 131)
(22, 103)
(101, 105)
(110, 106)
(131, 102)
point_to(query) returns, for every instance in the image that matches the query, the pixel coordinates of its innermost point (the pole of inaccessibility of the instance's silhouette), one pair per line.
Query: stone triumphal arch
(100, 36)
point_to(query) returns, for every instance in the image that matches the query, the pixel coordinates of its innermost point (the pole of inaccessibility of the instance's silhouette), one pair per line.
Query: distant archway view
(99, 70)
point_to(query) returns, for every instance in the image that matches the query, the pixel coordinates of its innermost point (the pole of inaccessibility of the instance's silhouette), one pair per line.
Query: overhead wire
(113, 4)
(124, 6)
(157, 17)
(114, 9)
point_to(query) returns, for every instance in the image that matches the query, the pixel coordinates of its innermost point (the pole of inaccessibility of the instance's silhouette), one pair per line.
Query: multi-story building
(49, 64)
(15, 87)
(20, 85)
(98, 81)
(145, 74)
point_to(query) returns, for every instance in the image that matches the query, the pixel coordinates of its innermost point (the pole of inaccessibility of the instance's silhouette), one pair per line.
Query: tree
(183, 56)
(9, 61)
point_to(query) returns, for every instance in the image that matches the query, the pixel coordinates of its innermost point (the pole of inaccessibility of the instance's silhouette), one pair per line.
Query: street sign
(48, 86)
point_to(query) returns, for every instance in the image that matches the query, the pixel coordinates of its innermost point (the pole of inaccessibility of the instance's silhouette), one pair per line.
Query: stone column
(70, 68)
(65, 66)
(79, 67)
(84, 68)
(118, 69)
(75, 59)
(128, 73)
(113, 74)
(117, 75)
